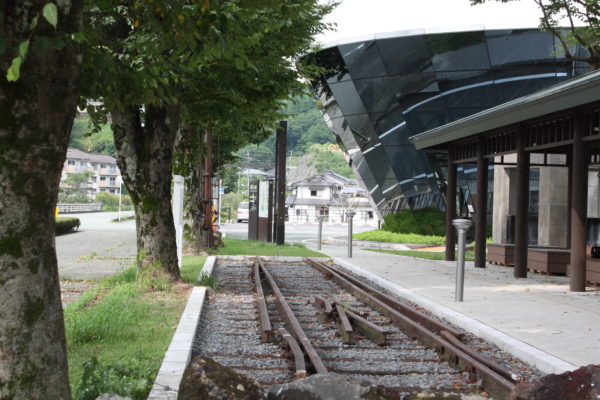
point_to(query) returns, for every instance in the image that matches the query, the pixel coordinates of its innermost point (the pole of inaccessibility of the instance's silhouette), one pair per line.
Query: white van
(243, 212)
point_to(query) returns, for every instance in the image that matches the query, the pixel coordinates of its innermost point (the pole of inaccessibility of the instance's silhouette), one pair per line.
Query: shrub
(112, 200)
(406, 238)
(65, 225)
(426, 221)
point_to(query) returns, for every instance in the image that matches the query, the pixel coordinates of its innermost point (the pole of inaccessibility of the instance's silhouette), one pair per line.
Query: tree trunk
(36, 116)
(145, 158)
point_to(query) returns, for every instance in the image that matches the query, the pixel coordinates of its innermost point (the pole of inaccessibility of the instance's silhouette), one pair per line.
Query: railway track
(276, 322)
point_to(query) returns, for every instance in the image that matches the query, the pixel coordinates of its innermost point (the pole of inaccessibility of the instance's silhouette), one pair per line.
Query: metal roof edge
(572, 93)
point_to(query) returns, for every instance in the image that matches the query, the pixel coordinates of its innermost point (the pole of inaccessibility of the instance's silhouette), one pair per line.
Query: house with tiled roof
(105, 175)
(330, 195)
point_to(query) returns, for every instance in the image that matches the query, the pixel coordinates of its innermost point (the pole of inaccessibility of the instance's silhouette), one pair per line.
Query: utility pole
(208, 190)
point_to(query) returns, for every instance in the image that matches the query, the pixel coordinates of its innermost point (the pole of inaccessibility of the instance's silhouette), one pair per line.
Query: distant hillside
(101, 142)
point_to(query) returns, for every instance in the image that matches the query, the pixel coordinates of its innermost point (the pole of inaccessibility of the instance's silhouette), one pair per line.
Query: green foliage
(191, 267)
(321, 159)
(117, 333)
(112, 200)
(379, 235)
(85, 138)
(208, 280)
(66, 225)
(426, 221)
(76, 188)
(255, 248)
(231, 201)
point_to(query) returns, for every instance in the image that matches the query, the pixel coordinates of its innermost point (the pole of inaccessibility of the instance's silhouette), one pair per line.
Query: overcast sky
(357, 18)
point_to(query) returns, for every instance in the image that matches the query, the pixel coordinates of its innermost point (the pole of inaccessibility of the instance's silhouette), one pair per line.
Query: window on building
(94, 178)
(95, 166)
(102, 165)
(112, 191)
(102, 178)
(313, 193)
(113, 180)
(370, 214)
(71, 162)
(113, 169)
(83, 163)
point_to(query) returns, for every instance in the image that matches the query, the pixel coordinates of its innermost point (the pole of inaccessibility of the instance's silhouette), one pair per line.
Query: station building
(380, 91)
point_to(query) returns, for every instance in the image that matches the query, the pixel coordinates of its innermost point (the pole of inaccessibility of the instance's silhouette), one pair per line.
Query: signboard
(263, 199)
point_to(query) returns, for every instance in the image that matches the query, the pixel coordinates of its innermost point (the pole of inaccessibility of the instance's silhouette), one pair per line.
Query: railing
(66, 208)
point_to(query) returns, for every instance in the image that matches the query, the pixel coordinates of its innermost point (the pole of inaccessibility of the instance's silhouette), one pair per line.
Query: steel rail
(295, 329)
(299, 363)
(261, 303)
(344, 327)
(409, 311)
(505, 372)
(495, 383)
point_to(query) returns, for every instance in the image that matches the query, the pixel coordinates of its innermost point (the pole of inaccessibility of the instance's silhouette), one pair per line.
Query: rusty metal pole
(280, 184)
(320, 218)
(577, 269)
(481, 206)
(450, 207)
(522, 214)
(208, 190)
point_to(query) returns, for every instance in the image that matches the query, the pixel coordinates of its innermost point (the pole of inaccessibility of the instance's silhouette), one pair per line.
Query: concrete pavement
(536, 319)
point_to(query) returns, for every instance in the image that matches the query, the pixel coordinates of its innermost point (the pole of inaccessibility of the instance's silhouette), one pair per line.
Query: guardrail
(66, 208)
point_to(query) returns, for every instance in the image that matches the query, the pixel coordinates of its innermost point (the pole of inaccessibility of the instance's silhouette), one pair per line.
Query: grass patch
(190, 268)
(123, 219)
(255, 248)
(428, 255)
(379, 235)
(117, 334)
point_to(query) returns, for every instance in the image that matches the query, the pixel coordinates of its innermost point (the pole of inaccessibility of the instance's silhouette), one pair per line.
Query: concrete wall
(552, 209)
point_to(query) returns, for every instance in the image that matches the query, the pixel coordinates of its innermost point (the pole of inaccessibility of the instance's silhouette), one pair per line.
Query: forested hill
(306, 127)
(101, 142)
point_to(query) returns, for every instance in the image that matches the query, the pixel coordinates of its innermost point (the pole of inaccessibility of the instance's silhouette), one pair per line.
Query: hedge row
(66, 225)
(426, 221)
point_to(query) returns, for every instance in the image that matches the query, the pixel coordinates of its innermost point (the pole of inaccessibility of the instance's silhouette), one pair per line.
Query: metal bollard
(350, 215)
(462, 226)
(320, 218)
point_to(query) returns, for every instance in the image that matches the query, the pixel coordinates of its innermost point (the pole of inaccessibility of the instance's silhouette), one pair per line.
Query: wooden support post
(481, 206)
(578, 208)
(569, 190)
(450, 207)
(522, 214)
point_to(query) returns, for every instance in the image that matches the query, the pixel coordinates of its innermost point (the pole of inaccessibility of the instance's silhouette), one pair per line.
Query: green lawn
(379, 235)
(118, 332)
(255, 248)
(428, 255)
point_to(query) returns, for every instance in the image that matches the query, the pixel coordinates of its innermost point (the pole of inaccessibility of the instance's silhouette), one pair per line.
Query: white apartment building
(106, 175)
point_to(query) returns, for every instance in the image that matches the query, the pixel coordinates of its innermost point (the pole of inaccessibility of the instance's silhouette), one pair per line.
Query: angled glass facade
(378, 93)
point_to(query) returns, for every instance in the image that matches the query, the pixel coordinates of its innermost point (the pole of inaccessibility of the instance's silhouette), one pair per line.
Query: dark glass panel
(458, 50)
(458, 113)
(466, 88)
(362, 59)
(421, 120)
(512, 84)
(405, 161)
(360, 125)
(411, 101)
(347, 98)
(388, 124)
(510, 48)
(405, 55)
(380, 167)
(380, 94)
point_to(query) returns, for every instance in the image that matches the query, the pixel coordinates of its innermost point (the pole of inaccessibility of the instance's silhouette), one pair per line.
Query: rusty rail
(295, 329)
(299, 363)
(409, 311)
(495, 383)
(261, 303)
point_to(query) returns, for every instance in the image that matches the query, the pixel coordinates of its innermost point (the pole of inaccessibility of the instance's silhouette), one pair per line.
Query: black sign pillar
(281, 152)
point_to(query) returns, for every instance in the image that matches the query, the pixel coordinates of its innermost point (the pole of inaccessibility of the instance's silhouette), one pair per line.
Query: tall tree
(581, 18)
(39, 90)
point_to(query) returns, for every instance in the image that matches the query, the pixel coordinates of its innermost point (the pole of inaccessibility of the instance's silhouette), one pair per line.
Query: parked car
(243, 212)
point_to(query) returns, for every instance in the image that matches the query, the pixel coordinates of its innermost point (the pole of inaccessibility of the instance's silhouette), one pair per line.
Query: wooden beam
(450, 207)
(578, 208)
(522, 212)
(481, 205)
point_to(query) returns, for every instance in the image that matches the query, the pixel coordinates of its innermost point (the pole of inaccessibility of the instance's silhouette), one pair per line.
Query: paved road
(295, 232)
(100, 248)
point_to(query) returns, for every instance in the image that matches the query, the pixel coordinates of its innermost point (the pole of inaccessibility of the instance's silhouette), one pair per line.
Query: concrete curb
(545, 362)
(179, 353)
(366, 244)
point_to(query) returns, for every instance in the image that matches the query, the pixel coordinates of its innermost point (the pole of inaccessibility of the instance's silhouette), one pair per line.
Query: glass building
(377, 93)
